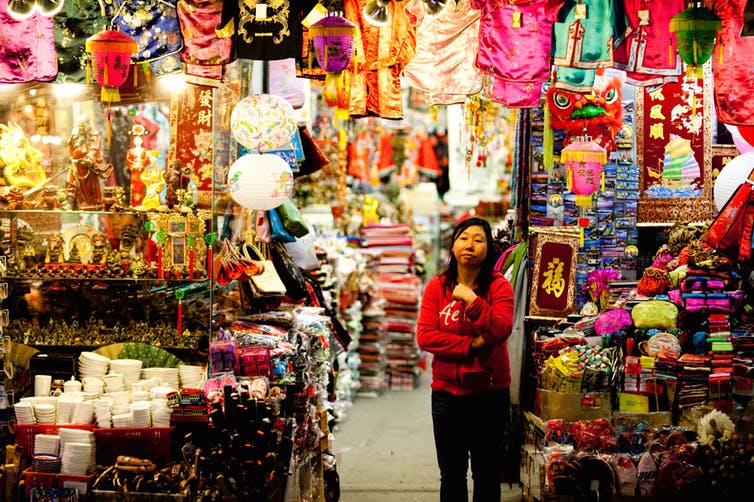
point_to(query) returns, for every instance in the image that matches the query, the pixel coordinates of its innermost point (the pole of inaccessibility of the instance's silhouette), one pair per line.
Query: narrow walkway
(386, 451)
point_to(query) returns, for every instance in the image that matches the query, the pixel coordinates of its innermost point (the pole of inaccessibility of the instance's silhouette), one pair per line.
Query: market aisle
(386, 451)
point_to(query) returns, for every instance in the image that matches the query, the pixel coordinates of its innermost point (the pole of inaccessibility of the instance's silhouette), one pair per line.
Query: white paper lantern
(731, 177)
(263, 122)
(260, 182)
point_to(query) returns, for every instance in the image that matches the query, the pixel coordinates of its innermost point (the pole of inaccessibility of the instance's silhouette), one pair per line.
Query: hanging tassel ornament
(191, 257)
(435, 8)
(377, 12)
(209, 239)
(547, 142)
(160, 237)
(179, 294)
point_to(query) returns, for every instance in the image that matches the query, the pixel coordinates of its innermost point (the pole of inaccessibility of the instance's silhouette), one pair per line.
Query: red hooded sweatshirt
(446, 327)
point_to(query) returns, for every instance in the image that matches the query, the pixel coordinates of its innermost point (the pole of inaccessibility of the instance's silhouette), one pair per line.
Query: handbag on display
(292, 219)
(289, 272)
(731, 231)
(268, 282)
(314, 158)
(278, 231)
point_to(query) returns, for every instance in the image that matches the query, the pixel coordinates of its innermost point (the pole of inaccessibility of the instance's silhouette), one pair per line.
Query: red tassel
(180, 317)
(160, 272)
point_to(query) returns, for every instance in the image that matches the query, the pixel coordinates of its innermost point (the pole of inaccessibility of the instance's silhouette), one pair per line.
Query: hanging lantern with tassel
(583, 160)
(332, 37)
(695, 29)
(110, 62)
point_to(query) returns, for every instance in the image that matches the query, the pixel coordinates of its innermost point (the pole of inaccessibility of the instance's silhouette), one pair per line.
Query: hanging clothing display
(382, 52)
(731, 66)
(154, 26)
(515, 41)
(27, 48)
(647, 51)
(265, 30)
(76, 22)
(446, 48)
(205, 53)
(584, 37)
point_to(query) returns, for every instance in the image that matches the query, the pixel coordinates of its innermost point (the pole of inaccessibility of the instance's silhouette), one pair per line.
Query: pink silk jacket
(515, 42)
(27, 48)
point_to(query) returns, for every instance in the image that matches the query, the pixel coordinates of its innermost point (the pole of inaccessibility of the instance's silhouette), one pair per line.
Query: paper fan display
(151, 356)
(110, 351)
(263, 122)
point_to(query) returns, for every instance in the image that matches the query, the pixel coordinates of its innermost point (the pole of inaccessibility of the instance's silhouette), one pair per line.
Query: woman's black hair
(450, 270)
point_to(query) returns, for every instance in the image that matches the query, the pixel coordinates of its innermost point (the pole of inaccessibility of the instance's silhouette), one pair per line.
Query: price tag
(261, 11)
(580, 11)
(643, 18)
(516, 20)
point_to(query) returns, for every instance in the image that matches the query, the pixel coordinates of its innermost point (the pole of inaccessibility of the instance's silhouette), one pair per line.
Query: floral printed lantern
(695, 29)
(110, 61)
(260, 181)
(583, 160)
(263, 122)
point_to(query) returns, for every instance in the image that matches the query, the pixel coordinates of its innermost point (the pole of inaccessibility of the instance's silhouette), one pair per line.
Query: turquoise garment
(582, 45)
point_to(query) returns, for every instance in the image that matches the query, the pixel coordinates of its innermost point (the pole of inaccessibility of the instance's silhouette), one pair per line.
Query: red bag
(256, 361)
(731, 232)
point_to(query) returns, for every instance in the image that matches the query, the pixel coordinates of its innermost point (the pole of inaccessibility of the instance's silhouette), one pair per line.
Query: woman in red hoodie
(465, 319)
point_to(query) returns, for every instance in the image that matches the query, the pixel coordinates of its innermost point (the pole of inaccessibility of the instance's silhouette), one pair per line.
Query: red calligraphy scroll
(553, 291)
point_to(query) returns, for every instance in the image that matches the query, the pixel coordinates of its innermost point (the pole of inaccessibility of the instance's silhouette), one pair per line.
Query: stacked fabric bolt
(693, 376)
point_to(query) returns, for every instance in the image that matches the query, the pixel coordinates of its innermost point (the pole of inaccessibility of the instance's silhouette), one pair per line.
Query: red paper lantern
(583, 160)
(110, 61)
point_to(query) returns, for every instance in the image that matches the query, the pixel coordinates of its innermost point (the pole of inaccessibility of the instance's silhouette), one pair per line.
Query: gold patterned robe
(381, 52)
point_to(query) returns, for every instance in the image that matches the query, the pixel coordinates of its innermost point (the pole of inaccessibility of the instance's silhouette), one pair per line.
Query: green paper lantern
(695, 29)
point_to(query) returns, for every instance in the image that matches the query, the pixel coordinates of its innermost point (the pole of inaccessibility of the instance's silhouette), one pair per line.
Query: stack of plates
(102, 412)
(76, 458)
(82, 438)
(161, 413)
(168, 376)
(93, 365)
(45, 463)
(123, 421)
(83, 413)
(141, 414)
(161, 392)
(66, 407)
(47, 444)
(191, 376)
(24, 413)
(129, 368)
(44, 413)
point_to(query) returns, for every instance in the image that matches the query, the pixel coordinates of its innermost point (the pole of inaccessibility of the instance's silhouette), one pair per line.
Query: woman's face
(470, 247)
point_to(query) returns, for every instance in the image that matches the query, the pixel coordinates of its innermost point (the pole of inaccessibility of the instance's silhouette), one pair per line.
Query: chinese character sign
(553, 287)
(673, 123)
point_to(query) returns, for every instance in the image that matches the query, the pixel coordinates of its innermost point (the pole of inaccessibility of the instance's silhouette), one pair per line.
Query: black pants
(472, 426)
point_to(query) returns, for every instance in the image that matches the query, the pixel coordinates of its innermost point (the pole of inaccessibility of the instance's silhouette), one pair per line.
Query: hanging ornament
(24, 9)
(583, 160)
(377, 12)
(260, 182)
(263, 122)
(435, 8)
(696, 29)
(110, 61)
(332, 37)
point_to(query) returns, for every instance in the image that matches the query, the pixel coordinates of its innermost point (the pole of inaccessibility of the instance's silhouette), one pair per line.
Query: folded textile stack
(371, 350)
(401, 293)
(743, 362)
(693, 379)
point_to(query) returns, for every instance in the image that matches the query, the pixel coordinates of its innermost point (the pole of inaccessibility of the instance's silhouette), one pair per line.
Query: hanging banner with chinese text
(190, 156)
(673, 125)
(553, 292)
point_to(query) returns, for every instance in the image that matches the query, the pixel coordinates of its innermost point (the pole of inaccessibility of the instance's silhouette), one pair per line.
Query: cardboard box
(573, 406)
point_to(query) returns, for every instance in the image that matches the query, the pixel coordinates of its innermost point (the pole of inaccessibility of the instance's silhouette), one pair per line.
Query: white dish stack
(191, 376)
(168, 376)
(129, 368)
(92, 364)
(77, 451)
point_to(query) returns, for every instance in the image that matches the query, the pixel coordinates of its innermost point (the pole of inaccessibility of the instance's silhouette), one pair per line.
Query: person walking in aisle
(466, 316)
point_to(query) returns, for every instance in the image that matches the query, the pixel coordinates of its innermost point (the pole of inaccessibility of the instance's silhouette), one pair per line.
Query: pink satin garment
(515, 43)
(27, 48)
(731, 65)
(204, 53)
(446, 48)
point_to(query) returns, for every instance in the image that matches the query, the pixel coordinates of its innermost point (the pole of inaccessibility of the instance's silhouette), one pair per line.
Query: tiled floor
(386, 451)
